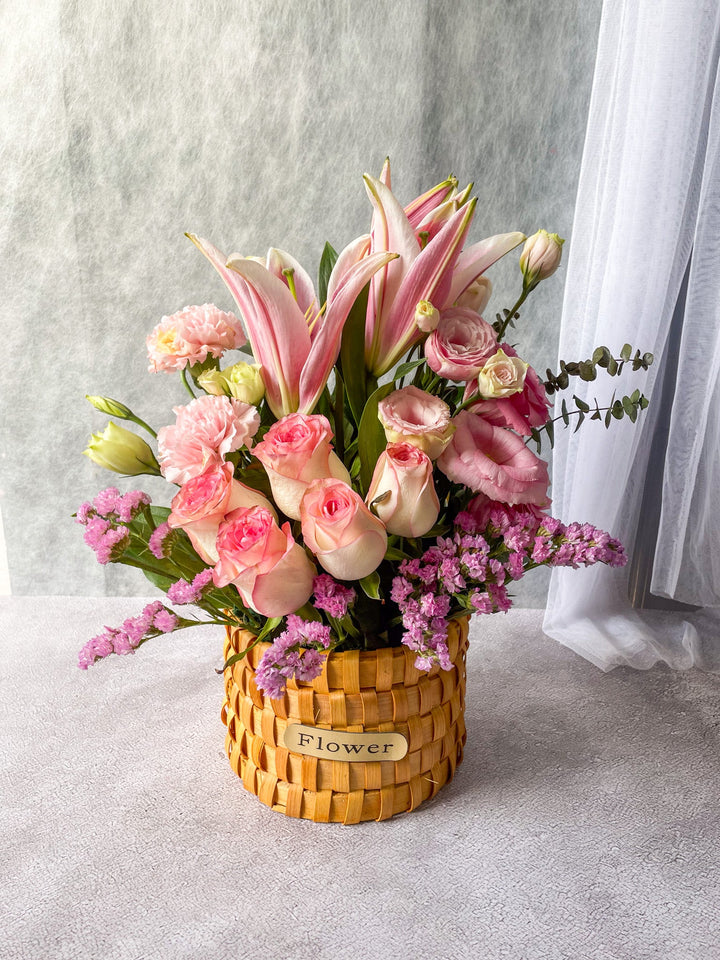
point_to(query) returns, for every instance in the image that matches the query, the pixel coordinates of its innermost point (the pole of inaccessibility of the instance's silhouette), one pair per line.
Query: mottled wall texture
(126, 123)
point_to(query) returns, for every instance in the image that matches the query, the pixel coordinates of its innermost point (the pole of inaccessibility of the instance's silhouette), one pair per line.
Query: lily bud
(540, 257)
(427, 317)
(242, 381)
(123, 452)
(113, 408)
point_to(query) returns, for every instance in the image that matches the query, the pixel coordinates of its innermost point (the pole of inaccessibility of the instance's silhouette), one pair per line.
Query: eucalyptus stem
(511, 314)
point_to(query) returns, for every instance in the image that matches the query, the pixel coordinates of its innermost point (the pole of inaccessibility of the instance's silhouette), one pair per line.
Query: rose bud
(427, 316)
(270, 571)
(294, 451)
(502, 376)
(348, 541)
(540, 257)
(462, 343)
(120, 450)
(403, 486)
(202, 503)
(412, 416)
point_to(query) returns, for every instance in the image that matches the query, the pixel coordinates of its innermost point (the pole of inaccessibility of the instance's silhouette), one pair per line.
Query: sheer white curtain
(647, 215)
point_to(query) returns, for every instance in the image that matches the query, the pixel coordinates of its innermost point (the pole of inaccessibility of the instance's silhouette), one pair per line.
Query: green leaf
(612, 367)
(159, 514)
(617, 410)
(648, 359)
(160, 580)
(644, 402)
(352, 355)
(626, 351)
(407, 367)
(581, 417)
(565, 414)
(587, 371)
(327, 262)
(392, 553)
(550, 430)
(371, 436)
(271, 624)
(371, 585)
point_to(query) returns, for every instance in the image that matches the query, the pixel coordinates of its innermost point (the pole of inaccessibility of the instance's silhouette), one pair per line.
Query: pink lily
(295, 351)
(438, 272)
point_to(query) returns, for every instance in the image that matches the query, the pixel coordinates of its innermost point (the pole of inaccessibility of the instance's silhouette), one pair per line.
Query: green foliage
(352, 353)
(327, 262)
(587, 369)
(628, 406)
(371, 436)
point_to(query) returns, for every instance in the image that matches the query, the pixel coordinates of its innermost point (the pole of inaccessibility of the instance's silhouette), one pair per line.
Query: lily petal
(422, 206)
(279, 261)
(429, 278)
(349, 255)
(477, 258)
(391, 230)
(277, 331)
(344, 286)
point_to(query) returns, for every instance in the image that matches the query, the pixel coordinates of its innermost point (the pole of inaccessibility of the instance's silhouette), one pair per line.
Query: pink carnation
(205, 431)
(189, 336)
(494, 461)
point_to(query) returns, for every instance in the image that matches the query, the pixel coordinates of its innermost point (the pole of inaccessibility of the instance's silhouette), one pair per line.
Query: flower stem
(185, 381)
(511, 314)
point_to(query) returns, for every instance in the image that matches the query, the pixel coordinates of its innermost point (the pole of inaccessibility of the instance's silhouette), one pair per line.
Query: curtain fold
(648, 198)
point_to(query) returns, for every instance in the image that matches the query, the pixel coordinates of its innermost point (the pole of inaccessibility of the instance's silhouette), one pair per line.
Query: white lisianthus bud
(502, 376)
(476, 296)
(427, 317)
(113, 408)
(123, 452)
(242, 381)
(540, 257)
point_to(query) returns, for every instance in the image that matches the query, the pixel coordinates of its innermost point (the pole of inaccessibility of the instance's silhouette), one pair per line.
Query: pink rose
(202, 503)
(271, 572)
(189, 336)
(206, 429)
(412, 416)
(461, 344)
(494, 461)
(521, 411)
(294, 451)
(347, 539)
(403, 480)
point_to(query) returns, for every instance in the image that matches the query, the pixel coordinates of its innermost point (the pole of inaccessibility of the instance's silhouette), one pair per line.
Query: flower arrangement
(365, 473)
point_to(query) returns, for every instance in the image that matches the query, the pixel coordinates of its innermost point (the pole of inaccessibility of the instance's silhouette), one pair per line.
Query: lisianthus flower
(493, 461)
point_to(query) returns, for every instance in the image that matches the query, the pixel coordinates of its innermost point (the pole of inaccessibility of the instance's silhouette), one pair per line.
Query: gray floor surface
(584, 822)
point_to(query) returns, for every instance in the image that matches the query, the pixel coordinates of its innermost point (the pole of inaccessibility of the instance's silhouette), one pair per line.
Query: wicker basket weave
(378, 691)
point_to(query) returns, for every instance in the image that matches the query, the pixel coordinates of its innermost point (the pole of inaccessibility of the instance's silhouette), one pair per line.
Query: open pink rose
(403, 483)
(461, 344)
(494, 461)
(347, 539)
(271, 572)
(521, 411)
(205, 431)
(294, 451)
(412, 416)
(187, 337)
(202, 503)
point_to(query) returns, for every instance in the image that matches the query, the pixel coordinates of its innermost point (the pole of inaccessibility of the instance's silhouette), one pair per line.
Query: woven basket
(379, 692)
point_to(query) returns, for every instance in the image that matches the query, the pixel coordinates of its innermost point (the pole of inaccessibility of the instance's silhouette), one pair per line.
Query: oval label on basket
(349, 747)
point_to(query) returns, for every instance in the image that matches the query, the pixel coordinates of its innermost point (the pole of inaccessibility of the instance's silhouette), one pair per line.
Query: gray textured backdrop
(125, 124)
